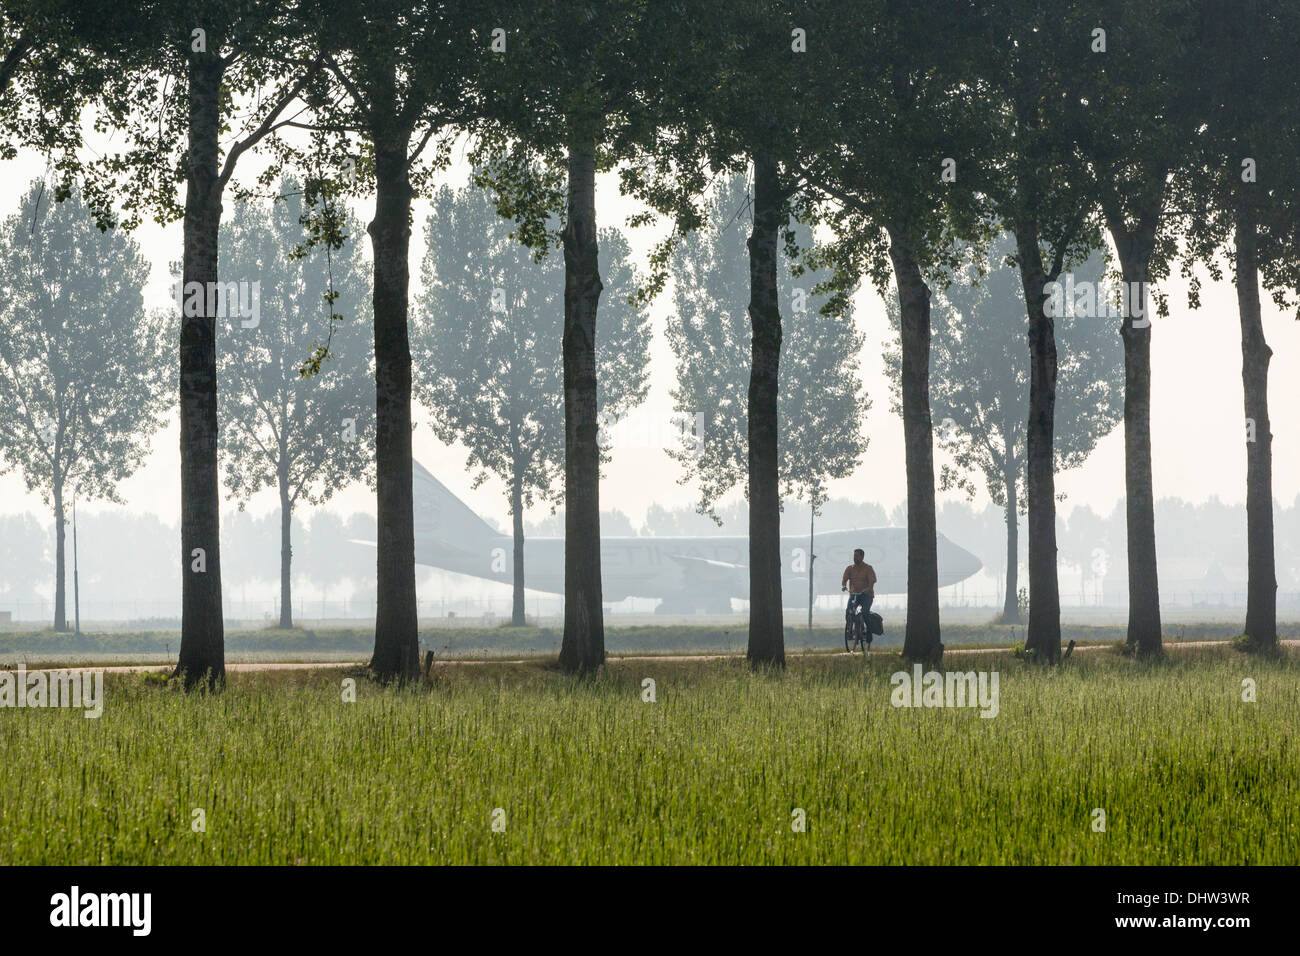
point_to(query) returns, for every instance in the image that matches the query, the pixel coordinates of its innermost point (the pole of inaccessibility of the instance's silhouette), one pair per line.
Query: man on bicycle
(860, 581)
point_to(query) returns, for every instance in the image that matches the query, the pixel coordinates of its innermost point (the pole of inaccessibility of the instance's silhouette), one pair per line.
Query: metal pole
(812, 515)
(76, 585)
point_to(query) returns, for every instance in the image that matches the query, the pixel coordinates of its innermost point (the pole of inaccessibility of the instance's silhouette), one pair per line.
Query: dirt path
(631, 658)
(167, 668)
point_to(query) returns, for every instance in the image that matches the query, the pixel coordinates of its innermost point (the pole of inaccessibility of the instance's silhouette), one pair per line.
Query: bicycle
(857, 636)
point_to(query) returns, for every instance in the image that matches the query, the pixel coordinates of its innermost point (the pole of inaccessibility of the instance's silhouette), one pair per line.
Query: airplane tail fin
(441, 516)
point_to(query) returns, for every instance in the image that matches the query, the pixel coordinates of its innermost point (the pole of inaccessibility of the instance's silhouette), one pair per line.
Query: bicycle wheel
(859, 633)
(848, 635)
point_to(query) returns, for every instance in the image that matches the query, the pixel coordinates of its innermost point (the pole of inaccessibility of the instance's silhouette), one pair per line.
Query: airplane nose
(956, 563)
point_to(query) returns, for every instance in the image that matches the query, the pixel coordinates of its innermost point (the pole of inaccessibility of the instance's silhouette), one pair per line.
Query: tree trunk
(14, 59)
(1044, 636)
(766, 626)
(60, 573)
(1011, 601)
(396, 655)
(583, 648)
(1143, 588)
(202, 654)
(517, 618)
(1261, 587)
(922, 637)
(286, 551)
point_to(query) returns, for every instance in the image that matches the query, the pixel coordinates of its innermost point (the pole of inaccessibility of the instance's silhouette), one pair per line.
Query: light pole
(76, 585)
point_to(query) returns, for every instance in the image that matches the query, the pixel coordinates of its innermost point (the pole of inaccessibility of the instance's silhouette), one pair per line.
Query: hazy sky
(1197, 416)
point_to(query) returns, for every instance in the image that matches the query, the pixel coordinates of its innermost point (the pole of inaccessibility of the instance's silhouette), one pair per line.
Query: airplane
(688, 574)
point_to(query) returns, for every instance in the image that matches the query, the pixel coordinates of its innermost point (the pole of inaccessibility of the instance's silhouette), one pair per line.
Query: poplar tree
(487, 349)
(83, 370)
(981, 388)
(1135, 105)
(1240, 199)
(401, 80)
(821, 401)
(906, 127)
(570, 95)
(177, 77)
(305, 436)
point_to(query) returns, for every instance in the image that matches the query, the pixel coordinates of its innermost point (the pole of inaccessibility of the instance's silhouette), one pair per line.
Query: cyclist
(860, 581)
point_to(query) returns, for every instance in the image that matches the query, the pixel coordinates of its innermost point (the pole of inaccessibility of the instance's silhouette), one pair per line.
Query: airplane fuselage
(687, 573)
(650, 567)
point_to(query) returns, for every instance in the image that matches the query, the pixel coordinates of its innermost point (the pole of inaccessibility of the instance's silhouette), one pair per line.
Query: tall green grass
(586, 772)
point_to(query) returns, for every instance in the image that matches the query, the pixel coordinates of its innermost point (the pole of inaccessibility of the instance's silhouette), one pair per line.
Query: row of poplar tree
(75, 342)
(914, 131)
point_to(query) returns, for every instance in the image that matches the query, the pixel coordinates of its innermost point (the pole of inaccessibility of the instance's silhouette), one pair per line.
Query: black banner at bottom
(142, 905)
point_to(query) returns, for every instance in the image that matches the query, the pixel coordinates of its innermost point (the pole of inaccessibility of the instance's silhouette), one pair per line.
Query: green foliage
(896, 106)
(278, 427)
(1134, 112)
(528, 192)
(724, 84)
(143, 99)
(83, 371)
(821, 402)
(568, 79)
(1254, 105)
(979, 376)
(1249, 644)
(327, 222)
(1037, 182)
(487, 335)
(55, 57)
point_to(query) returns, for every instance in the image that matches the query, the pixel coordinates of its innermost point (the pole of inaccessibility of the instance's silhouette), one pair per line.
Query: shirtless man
(860, 581)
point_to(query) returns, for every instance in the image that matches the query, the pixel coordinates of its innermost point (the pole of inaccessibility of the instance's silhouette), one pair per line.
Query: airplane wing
(707, 570)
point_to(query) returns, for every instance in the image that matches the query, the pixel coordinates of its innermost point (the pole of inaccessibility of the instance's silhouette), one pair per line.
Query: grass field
(711, 772)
